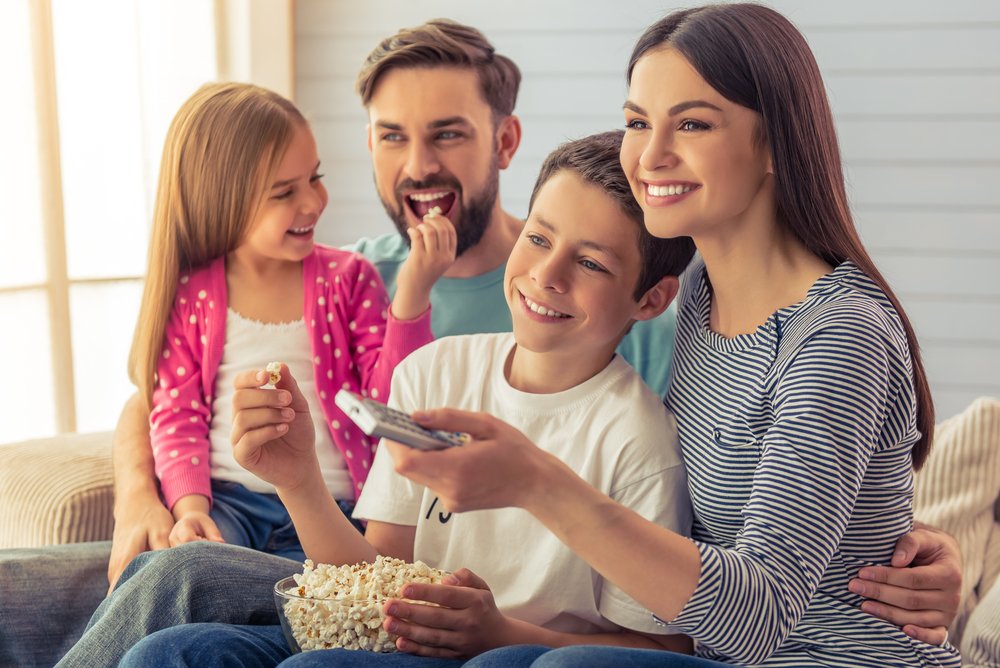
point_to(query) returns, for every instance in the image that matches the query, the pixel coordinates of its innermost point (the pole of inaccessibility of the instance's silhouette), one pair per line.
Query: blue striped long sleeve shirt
(797, 441)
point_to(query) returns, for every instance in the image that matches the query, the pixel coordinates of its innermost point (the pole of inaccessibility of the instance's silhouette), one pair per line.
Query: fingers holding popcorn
(273, 433)
(433, 246)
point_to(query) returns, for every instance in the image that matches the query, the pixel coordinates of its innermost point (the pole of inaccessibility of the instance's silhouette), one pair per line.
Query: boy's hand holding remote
(273, 435)
(432, 252)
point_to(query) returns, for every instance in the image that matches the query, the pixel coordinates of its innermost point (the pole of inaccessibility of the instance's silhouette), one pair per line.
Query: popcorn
(434, 211)
(274, 372)
(341, 606)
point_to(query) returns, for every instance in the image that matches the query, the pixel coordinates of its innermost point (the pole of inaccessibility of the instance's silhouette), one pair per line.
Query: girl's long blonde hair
(220, 156)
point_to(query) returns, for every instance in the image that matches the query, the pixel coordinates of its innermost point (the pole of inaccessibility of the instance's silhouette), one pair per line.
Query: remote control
(379, 420)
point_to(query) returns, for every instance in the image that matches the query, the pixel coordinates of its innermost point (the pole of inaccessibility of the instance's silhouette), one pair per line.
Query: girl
(801, 402)
(234, 280)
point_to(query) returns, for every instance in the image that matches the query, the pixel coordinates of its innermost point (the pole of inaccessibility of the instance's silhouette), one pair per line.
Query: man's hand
(920, 592)
(433, 244)
(141, 521)
(465, 622)
(138, 527)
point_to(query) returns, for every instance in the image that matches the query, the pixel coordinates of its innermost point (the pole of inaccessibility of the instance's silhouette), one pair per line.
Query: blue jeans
(226, 646)
(586, 656)
(259, 521)
(194, 582)
(48, 594)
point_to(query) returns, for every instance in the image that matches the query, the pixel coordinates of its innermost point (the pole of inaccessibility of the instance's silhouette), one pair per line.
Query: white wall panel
(915, 90)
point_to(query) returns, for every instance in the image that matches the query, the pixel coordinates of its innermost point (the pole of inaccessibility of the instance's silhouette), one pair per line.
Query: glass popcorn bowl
(318, 623)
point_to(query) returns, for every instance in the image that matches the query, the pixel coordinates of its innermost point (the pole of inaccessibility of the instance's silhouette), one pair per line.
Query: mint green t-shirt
(477, 305)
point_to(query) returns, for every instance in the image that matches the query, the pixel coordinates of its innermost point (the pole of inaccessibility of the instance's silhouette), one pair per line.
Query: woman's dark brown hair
(755, 57)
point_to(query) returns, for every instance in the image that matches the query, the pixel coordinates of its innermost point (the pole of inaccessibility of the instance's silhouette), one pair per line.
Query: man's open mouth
(422, 202)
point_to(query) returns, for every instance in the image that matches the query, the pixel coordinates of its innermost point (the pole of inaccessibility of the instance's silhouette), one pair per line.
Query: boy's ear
(508, 138)
(368, 132)
(657, 298)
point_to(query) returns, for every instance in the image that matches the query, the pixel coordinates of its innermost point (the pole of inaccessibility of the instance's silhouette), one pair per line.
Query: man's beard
(474, 216)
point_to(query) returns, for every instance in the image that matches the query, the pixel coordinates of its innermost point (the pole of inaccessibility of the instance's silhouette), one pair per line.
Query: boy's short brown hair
(595, 160)
(445, 43)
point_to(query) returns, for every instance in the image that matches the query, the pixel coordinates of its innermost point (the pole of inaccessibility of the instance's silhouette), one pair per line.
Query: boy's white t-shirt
(612, 430)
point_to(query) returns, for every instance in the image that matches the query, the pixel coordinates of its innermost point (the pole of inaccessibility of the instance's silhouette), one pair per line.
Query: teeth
(428, 197)
(667, 191)
(302, 230)
(541, 310)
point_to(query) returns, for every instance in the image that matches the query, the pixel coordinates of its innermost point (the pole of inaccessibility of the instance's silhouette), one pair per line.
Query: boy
(583, 270)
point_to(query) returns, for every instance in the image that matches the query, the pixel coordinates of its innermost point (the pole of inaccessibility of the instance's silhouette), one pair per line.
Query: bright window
(89, 89)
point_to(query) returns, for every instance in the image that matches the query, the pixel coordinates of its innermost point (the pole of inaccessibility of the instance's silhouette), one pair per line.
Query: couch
(59, 490)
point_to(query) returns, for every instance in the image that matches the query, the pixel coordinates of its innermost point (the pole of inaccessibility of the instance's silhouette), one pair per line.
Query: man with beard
(441, 126)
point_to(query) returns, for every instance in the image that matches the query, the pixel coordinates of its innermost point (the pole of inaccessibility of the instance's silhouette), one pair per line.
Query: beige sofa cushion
(957, 490)
(56, 490)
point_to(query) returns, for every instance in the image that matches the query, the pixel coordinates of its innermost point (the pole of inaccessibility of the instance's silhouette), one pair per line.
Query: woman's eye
(535, 239)
(316, 177)
(636, 124)
(692, 126)
(284, 195)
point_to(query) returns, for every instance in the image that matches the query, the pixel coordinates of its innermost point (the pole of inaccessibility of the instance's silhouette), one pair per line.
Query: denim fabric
(194, 582)
(259, 521)
(46, 597)
(209, 646)
(346, 658)
(586, 656)
(228, 646)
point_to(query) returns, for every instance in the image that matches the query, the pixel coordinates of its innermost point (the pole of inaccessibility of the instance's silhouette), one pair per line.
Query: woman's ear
(657, 298)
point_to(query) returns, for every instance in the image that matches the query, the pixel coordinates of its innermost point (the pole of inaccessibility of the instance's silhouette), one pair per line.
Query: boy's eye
(535, 239)
(592, 266)
(316, 177)
(392, 136)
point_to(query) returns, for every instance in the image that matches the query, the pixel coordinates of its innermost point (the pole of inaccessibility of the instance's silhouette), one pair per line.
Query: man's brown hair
(445, 43)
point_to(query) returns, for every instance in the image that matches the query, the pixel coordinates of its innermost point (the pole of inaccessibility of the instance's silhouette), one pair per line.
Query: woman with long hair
(801, 401)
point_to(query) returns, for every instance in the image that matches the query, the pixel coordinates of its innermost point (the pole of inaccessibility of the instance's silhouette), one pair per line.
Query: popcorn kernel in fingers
(434, 211)
(273, 372)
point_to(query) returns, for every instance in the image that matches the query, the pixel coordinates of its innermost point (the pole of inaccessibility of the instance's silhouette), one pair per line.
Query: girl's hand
(498, 468)
(432, 252)
(194, 526)
(467, 623)
(273, 435)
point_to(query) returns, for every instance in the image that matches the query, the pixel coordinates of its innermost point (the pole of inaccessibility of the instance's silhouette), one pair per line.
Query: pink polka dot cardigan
(356, 344)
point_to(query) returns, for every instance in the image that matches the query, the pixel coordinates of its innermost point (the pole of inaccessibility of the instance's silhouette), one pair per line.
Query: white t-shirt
(252, 344)
(612, 430)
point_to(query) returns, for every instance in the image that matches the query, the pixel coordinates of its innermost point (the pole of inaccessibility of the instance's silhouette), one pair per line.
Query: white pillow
(957, 490)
